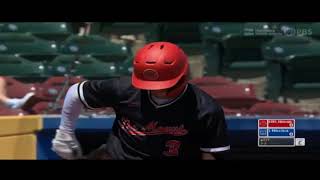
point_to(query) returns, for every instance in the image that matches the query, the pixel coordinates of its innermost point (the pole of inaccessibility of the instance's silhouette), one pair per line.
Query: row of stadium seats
(74, 65)
(36, 49)
(53, 31)
(58, 31)
(240, 99)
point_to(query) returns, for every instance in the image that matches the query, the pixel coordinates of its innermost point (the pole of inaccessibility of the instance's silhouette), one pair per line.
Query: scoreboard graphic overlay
(276, 133)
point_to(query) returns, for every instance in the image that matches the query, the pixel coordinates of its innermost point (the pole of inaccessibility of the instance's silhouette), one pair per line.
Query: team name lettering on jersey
(152, 129)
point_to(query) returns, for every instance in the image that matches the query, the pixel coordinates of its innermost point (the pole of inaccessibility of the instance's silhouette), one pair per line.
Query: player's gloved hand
(66, 145)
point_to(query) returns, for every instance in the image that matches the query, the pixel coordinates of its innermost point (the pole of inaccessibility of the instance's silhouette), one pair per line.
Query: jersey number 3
(172, 148)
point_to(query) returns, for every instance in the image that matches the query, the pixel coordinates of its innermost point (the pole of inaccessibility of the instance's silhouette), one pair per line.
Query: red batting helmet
(159, 65)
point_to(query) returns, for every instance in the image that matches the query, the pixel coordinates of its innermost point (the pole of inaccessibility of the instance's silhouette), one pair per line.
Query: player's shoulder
(121, 85)
(125, 82)
(122, 82)
(124, 85)
(205, 102)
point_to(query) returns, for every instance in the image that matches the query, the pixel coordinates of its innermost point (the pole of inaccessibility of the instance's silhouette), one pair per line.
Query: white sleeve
(72, 107)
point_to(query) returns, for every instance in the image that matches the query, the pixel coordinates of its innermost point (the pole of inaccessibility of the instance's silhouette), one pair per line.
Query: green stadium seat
(282, 46)
(315, 28)
(212, 34)
(238, 46)
(126, 67)
(96, 46)
(293, 66)
(82, 65)
(27, 46)
(181, 33)
(53, 31)
(217, 31)
(150, 30)
(19, 67)
(186, 35)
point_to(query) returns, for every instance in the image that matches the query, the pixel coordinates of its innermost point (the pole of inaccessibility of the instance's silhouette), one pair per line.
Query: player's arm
(89, 94)
(214, 141)
(65, 143)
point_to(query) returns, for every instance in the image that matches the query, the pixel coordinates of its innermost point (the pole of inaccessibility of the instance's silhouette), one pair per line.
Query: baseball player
(158, 114)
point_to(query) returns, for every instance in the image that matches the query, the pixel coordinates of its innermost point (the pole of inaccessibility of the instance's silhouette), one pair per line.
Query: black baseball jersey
(181, 129)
